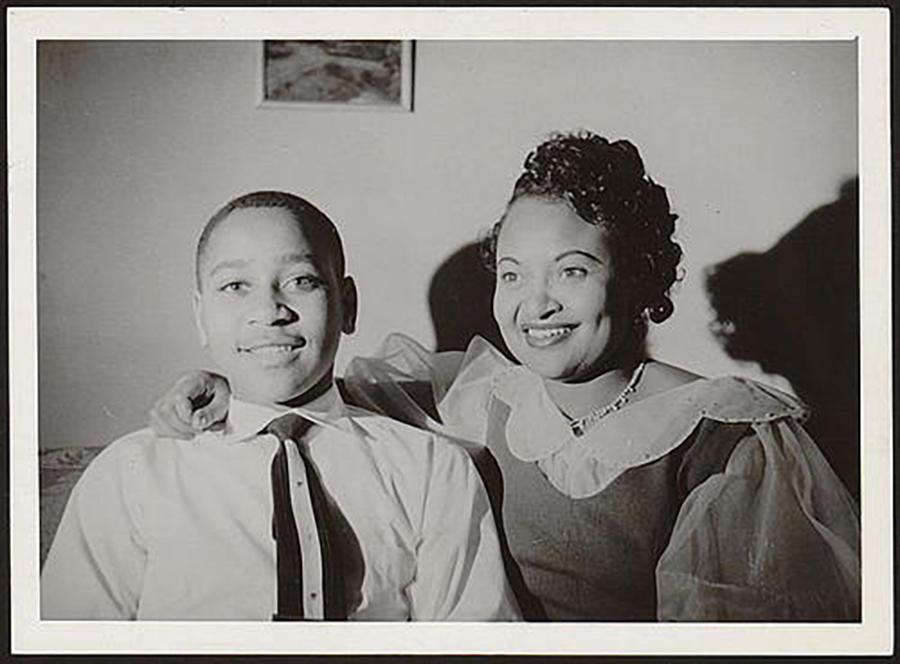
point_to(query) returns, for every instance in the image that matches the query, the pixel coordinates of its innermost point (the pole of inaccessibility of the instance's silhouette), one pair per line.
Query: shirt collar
(245, 420)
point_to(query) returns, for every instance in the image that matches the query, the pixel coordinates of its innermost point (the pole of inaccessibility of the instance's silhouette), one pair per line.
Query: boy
(335, 514)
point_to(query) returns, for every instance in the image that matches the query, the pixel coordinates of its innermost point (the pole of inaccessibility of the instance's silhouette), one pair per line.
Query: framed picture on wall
(373, 75)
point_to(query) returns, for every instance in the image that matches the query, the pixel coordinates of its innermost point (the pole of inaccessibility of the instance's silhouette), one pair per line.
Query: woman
(630, 489)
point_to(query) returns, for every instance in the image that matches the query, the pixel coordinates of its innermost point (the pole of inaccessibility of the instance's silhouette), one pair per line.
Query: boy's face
(270, 307)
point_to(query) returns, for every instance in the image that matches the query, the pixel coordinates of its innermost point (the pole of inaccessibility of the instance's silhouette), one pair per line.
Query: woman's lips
(541, 336)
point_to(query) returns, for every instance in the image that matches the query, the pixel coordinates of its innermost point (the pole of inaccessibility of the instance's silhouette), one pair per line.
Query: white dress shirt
(164, 529)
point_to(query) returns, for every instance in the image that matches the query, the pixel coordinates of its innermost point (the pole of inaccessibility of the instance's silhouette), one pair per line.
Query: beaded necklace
(581, 424)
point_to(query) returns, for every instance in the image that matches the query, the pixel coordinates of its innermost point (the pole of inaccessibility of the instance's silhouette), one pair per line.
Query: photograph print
(546, 347)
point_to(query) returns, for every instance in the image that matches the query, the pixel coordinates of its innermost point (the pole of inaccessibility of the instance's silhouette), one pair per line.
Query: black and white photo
(585, 335)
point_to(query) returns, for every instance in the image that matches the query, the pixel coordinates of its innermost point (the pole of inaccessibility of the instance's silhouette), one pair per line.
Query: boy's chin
(284, 393)
(273, 397)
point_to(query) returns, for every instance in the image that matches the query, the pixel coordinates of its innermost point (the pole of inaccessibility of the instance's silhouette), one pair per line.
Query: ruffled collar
(466, 384)
(536, 430)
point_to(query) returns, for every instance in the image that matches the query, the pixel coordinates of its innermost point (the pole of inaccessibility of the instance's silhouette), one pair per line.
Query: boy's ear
(198, 319)
(349, 305)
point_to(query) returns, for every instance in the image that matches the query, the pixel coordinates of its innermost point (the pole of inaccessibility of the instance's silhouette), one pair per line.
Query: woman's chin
(548, 369)
(567, 374)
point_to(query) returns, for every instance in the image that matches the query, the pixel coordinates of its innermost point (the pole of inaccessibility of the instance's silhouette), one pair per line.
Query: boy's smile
(275, 352)
(270, 307)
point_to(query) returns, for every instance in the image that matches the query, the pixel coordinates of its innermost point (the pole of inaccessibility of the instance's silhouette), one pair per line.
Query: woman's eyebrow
(509, 259)
(579, 252)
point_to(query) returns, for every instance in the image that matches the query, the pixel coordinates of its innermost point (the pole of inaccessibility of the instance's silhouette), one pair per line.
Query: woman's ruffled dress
(708, 502)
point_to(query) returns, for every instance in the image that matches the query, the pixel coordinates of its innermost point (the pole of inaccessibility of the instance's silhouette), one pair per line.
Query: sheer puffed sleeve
(445, 392)
(774, 536)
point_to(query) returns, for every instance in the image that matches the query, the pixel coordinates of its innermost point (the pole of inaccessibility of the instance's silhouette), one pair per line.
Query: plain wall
(140, 142)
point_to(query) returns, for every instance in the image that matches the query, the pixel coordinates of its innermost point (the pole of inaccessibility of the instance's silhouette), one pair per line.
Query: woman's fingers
(217, 408)
(196, 401)
(193, 386)
(171, 414)
(165, 422)
(181, 407)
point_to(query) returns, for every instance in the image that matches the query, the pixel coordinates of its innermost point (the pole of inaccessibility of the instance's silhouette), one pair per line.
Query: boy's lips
(543, 335)
(273, 353)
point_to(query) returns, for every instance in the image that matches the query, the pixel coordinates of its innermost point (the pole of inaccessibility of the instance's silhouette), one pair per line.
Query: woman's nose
(540, 301)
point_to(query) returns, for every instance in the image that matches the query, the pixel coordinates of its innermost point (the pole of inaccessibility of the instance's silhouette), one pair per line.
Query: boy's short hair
(305, 213)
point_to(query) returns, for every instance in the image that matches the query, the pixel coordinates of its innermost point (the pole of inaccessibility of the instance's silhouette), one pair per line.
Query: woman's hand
(198, 400)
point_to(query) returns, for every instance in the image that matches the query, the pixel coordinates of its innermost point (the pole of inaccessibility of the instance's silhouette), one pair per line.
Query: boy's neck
(312, 393)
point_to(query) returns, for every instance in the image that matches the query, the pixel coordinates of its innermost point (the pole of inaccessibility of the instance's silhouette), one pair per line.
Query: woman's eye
(574, 272)
(509, 277)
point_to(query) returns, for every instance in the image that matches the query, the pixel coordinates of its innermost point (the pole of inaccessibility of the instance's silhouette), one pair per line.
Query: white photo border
(873, 636)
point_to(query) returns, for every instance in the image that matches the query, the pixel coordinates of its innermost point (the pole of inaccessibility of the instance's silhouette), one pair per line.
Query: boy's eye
(303, 282)
(234, 287)
(509, 277)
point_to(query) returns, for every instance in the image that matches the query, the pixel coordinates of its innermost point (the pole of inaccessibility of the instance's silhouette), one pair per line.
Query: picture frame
(354, 75)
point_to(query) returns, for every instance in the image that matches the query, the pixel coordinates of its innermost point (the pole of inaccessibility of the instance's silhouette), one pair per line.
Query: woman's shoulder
(661, 377)
(726, 398)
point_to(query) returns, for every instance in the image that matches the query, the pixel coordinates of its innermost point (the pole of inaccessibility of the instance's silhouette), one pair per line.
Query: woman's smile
(543, 335)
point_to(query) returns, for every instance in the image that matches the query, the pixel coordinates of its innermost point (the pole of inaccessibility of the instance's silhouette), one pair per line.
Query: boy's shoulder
(392, 439)
(131, 451)
(379, 427)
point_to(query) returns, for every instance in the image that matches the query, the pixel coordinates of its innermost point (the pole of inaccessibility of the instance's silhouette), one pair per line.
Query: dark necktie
(289, 559)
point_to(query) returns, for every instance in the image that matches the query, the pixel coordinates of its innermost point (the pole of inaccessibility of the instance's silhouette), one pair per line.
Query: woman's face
(552, 300)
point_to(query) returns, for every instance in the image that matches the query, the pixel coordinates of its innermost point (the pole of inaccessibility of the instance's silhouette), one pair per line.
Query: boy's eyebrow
(227, 265)
(507, 258)
(298, 257)
(284, 259)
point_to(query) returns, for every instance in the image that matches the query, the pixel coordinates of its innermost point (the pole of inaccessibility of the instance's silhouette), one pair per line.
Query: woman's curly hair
(605, 183)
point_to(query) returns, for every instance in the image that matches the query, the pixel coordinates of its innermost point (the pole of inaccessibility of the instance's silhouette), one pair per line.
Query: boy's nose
(271, 309)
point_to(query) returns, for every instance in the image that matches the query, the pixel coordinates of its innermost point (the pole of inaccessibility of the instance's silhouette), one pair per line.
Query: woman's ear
(349, 305)
(198, 319)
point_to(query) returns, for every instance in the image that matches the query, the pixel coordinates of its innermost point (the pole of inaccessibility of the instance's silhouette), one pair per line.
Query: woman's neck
(578, 399)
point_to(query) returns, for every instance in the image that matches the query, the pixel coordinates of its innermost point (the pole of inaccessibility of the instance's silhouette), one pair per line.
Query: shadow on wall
(795, 310)
(460, 298)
